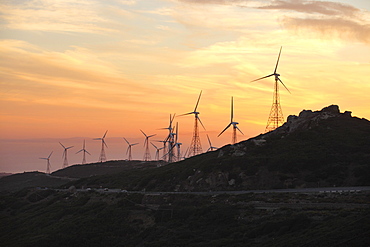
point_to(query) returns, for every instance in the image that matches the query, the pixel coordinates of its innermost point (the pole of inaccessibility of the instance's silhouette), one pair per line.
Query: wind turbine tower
(129, 149)
(157, 151)
(102, 157)
(177, 144)
(234, 124)
(195, 145)
(48, 163)
(65, 162)
(276, 118)
(169, 139)
(146, 144)
(84, 154)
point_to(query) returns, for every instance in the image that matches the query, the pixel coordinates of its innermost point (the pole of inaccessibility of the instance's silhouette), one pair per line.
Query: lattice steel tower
(276, 117)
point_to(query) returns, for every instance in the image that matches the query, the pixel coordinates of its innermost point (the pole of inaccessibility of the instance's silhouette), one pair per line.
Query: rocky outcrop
(308, 119)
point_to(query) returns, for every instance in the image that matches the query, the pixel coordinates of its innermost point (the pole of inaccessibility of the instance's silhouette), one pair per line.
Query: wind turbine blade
(177, 131)
(134, 144)
(128, 148)
(196, 106)
(209, 141)
(232, 109)
(171, 120)
(80, 151)
(152, 135)
(200, 121)
(277, 60)
(143, 133)
(224, 130)
(105, 134)
(189, 113)
(126, 141)
(104, 143)
(262, 78)
(239, 129)
(154, 145)
(69, 147)
(50, 154)
(284, 85)
(84, 144)
(87, 152)
(62, 145)
(97, 139)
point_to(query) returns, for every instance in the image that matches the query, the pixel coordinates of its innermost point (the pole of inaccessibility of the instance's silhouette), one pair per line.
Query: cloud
(320, 7)
(57, 16)
(330, 28)
(29, 73)
(222, 2)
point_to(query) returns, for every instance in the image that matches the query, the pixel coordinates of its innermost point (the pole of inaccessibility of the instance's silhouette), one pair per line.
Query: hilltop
(316, 148)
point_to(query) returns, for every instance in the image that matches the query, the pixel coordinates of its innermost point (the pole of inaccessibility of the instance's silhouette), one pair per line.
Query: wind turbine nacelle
(234, 123)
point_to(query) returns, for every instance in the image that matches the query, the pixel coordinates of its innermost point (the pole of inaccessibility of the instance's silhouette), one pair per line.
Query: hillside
(51, 218)
(321, 148)
(63, 176)
(30, 180)
(109, 167)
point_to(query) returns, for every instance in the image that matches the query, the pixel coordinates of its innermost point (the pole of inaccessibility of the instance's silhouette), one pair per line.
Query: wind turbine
(157, 151)
(102, 157)
(195, 145)
(129, 149)
(178, 144)
(65, 162)
(211, 148)
(84, 154)
(146, 144)
(234, 124)
(276, 114)
(169, 138)
(48, 163)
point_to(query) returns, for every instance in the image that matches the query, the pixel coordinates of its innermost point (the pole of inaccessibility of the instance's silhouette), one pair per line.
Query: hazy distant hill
(109, 167)
(29, 180)
(322, 148)
(63, 176)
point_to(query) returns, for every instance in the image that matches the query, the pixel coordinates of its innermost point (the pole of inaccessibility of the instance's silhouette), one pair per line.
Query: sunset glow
(70, 70)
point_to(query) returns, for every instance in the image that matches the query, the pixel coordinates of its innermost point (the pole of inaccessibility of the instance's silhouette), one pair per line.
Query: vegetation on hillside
(50, 218)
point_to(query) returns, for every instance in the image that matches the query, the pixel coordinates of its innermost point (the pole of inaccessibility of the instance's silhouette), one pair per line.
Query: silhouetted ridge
(315, 148)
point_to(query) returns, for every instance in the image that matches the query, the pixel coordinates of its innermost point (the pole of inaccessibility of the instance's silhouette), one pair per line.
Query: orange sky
(77, 68)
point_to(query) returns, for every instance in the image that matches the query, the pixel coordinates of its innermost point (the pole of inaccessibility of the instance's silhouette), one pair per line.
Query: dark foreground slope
(322, 148)
(49, 218)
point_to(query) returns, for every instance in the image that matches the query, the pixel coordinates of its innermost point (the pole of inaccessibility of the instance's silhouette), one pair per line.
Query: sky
(70, 70)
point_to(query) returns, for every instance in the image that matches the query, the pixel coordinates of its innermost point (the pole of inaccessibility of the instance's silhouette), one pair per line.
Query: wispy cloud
(329, 28)
(57, 16)
(321, 7)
